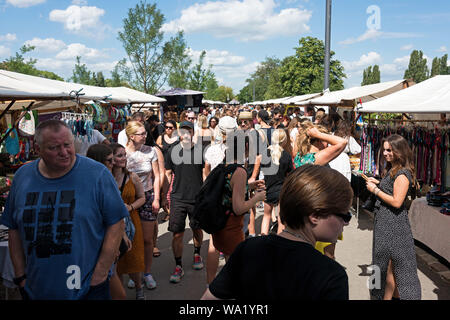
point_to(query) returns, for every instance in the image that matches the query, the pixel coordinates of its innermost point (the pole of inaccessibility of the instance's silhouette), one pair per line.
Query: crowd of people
(78, 225)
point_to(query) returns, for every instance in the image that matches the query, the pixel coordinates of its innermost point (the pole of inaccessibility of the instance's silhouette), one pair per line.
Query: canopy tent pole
(16, 122)
(7, 108)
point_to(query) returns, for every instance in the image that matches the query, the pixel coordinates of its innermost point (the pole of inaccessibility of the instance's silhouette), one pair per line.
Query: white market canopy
(351, 96)
(429, 96)
(57, 94)
(135, 96)
(212, 102)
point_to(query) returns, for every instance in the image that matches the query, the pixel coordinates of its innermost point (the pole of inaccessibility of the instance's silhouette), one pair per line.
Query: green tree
(444, 69)
(266, 80)
(303, 72)
(152, 59)
(120, 76)
(435, 67)
(417, 68)
(81, 74)
(224, 94)
(18, 64)
(371, 76)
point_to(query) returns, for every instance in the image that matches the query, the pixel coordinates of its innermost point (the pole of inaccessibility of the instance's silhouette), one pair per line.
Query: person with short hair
(185, 166)
(65, 219)
(314, 204)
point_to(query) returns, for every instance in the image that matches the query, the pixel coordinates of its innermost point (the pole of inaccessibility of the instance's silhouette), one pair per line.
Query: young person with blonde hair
(316, 146)
(143, 160)
(281, 163)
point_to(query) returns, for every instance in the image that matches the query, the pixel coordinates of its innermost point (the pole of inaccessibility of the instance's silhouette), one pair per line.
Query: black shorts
(179, 210)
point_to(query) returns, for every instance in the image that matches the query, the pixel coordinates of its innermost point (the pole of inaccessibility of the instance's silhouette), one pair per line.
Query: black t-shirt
(284, 168)
(274, 268)
(187, 166)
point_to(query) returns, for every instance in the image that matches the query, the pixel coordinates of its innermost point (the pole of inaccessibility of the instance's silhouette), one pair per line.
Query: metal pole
(326, 83)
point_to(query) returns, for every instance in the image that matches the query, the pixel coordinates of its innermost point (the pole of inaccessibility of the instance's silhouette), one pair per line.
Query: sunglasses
(170, 128)
(243, 122)
(345, 216)
(191, 118)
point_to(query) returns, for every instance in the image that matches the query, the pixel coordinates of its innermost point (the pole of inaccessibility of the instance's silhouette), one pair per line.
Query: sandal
(156, 252)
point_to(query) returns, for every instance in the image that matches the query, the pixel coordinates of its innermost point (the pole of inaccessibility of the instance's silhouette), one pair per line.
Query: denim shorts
(146, 211)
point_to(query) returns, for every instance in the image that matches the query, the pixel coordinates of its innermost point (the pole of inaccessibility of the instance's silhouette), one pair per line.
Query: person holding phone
(393, 244)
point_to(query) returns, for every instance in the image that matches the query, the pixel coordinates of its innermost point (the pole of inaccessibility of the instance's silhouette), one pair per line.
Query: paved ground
(354, 253)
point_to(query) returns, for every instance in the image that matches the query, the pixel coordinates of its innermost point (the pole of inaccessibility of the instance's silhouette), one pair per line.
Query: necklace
(296, 235)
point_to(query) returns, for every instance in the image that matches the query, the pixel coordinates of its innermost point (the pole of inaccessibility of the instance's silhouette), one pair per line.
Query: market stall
(182, 99)
(429, 140)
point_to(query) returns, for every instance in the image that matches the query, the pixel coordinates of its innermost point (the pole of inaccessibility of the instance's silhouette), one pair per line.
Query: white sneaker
(131, 284)
(150, 283)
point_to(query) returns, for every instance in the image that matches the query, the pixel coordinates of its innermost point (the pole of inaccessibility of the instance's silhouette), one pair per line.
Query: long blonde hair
(303, 141)
(279, 139)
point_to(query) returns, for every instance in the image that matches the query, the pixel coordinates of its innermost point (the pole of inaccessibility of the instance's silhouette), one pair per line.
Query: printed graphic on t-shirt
(47, 220)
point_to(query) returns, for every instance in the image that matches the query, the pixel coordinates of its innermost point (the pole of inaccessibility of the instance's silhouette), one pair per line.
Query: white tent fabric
(89, 92)
(296, 99)
(347, 97)
(135, 96)
(429, 96)
(54, 94)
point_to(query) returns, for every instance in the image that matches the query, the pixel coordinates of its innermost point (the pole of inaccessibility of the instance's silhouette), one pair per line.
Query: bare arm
(140, 196)
(336, 146)
(156, 186)
(110, 248)
(17, 254)
(238, 181)
(206, 170)
(401, 186)
(159, 141)
(162, 169)
(209, 296)
(256, 169)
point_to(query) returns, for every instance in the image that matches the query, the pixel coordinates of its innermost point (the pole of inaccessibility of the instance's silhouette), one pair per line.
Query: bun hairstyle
(313, 189)
(303, 141)
(279, 138)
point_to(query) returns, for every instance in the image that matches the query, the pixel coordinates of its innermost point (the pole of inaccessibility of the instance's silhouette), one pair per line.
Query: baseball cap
(187, 124)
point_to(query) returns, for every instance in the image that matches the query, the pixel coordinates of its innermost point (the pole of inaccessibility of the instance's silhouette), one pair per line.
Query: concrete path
(354, 253)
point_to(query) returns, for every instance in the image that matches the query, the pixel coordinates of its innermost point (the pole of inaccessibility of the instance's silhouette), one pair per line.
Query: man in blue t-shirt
(65, 218)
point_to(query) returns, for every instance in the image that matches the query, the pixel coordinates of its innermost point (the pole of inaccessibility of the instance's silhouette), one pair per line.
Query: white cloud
(407, 47)
(79, 19)
(442, 49)
(24, 3)
(216, 57)
(377, 34)
(364, 61)
(79, 2)
(8, 37)
(4, 52)
(77, 49)
(247, 20)
(49, 44)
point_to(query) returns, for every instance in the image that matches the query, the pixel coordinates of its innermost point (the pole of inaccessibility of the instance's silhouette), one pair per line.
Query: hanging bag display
(27, 124)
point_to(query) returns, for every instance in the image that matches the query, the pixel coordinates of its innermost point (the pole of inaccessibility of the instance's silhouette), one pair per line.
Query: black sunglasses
(345, 216)
(171, 128)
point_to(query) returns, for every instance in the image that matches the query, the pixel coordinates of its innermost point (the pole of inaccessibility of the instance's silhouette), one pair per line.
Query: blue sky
(237, 34)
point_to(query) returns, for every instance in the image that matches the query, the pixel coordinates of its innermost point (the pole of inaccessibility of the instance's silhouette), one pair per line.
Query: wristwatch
(17, 281)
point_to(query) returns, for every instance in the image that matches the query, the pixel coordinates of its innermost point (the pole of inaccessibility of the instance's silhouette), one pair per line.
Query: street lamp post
(326, 82)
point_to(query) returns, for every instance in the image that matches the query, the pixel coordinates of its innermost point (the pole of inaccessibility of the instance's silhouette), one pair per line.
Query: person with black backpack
(234, 199)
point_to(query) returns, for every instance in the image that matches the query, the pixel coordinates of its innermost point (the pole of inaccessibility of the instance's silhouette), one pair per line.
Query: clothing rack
(75, 116)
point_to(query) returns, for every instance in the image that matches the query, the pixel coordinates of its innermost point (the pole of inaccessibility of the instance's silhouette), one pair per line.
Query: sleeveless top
(226, 200)
(302, 160)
